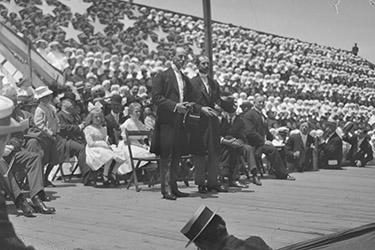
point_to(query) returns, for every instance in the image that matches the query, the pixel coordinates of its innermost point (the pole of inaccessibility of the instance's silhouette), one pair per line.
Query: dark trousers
(168, 174)
(273, 155)
(29, 162)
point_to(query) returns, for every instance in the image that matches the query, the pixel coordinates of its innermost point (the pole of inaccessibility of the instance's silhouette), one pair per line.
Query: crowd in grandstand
(317, 92)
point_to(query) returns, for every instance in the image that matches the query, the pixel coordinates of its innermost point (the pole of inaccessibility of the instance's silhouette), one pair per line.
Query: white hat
(7, 124)
(42, 91)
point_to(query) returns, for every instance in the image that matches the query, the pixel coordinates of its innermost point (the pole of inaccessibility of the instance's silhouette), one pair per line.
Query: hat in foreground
(7, 124)
(195, 226)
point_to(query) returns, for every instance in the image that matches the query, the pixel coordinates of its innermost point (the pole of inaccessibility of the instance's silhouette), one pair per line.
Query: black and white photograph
(187, 124)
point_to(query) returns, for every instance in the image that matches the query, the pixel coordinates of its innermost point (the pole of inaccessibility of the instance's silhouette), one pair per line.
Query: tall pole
(208, 33)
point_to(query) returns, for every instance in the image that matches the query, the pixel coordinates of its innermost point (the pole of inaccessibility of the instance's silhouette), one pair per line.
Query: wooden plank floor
(282, 212)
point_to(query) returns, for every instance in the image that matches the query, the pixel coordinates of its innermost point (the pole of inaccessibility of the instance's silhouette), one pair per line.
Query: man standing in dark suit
(330, 149)
(256, 132)
(114, 119)
(298, 148)
(205, 139)
(360, 152)
(170, 92)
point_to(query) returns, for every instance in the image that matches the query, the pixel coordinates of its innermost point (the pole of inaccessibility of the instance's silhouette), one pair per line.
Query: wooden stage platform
(282, 212)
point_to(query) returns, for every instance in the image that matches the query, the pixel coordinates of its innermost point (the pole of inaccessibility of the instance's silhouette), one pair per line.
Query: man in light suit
(298, 148)
(170, 93)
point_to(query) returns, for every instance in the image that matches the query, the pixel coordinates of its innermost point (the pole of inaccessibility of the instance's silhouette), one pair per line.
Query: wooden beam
(208, 33)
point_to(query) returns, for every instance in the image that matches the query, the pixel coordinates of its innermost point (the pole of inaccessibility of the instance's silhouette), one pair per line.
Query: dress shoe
(22, 204)
(290, 178)
(218, 189)
(40, 207)
(202, 189)
(256, 180)
(169, 196)
(238, 184)
(180, 194)
(44, 197)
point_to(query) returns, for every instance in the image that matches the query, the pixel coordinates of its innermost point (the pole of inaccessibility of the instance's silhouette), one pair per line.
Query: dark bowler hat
(195, 226)
(116, 99)
(70, 96)
(7, 124)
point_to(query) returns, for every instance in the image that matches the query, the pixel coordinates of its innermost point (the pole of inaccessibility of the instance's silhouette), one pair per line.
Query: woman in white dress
(138, 144)
(98, 152)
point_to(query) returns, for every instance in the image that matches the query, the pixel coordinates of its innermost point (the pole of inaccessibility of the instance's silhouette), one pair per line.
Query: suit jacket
(362, 152)
(69, 126)
(331, 151)
(169, 135)
(113, 128)
(251, 243)
(256, 128)
(295, 143)
(206, 135)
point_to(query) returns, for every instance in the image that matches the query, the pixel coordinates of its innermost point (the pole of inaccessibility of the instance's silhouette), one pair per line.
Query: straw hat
(42, 91)
(7, 124)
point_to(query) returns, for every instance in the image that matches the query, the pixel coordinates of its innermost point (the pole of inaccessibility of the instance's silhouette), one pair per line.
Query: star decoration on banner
(128, 23)
(152, 46)
(77, 6)
(196, 49)
(71, 32)
(47, 9)
(161, 34)
(98, 26)
(13, 7)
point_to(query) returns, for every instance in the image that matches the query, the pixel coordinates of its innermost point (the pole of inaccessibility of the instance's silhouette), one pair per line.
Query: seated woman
(98, 152)
(138, 144)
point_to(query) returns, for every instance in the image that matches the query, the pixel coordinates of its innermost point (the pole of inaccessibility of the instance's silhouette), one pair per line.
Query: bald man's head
(180, 57)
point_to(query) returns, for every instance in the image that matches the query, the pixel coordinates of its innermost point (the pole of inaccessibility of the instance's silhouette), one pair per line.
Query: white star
(98, 26)
(152, 46)
(47, 9)
(196, 49)
(70, 32)
(128, 23)
(161, 34)
(13, 7)
(76, 6)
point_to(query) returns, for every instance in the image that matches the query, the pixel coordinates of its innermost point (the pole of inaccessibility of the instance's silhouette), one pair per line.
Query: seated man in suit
(360, 152)
(8, 237)
(71, 127)
(256, 133)
(23, 160)
(330, 148)
(298, 148)
(114, 119)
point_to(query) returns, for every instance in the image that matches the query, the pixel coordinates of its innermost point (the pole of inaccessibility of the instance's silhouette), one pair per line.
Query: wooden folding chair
(129, 134)
(74, 166)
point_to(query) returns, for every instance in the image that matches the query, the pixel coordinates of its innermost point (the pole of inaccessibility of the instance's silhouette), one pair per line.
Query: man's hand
(358, 163)
(81, 126)
(8, 150)
(181, 107)
(268, 143)
(296, 154)
(208, 111)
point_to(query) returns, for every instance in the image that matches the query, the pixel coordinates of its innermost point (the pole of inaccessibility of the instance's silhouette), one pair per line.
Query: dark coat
(331, 151)
(256, 128)
(207, 133)
(251, 243)
(363, 152)
(113, 128)
(69, 126)
(170, 137)
(294, 144)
